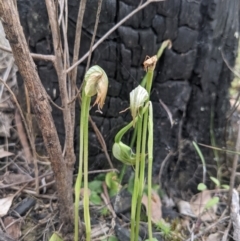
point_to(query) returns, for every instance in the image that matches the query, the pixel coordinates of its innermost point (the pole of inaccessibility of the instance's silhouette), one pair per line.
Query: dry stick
(27, 131)
(69, 129)
(111, 31)
(64, 24)
(41, 107)
(94, 33)
(235, 217)
(237, 148)
(34, 56)
(30, 127)
(20, 111)
(77, 42)
(91, 46)
(99, 135)
(101, 141)
(22, 137)
(234, 167)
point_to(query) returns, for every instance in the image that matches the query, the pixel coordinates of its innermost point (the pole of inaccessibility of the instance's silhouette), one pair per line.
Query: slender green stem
(150, 163)
(199, 152)
(142, 172)
(79, 176)
(85, 165)
(136, 181)
(149, 78)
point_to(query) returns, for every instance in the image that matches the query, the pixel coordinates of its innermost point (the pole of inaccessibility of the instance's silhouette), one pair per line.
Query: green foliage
(95, 198)
(153, 239)
(111, 238)
(212, 202)
(104, 211)
(95, 186)
(164, 227)
(216, 181)
(201, 187)
(225, 186)
(56, 237)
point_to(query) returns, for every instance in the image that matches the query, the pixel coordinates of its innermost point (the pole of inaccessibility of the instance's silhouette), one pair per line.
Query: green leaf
(216, 181)
(111, 238)
(153, 239)
(55, 237)
(104, 211)
(212, 202)
(130, 186)
(95, 199)
(201, 187)
(95, 186)
(225, 186)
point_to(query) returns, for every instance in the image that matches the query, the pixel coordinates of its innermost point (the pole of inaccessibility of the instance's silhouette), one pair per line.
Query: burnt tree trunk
(192, 78)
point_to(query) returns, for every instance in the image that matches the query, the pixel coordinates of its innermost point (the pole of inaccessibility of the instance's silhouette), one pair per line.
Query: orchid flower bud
(96, 83)
(137, 98)
(124, 153)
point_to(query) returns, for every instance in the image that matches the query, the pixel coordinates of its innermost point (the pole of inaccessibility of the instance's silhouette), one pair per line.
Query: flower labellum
(137, 98)
(96, 83)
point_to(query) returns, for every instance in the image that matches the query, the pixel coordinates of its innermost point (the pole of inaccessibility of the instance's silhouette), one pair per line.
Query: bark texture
(191, 78)
(40, 105)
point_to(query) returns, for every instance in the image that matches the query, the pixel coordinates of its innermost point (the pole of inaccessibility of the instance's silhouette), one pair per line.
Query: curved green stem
(143, 154)
(136, 181)
(150, 163)
(79, 176)
(121, 133)
(85, 165)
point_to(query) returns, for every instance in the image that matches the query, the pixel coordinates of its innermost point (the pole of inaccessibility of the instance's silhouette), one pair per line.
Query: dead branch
(140, 7)
(61, 73)
(34, 56)
(234, 167)
(235, 216)
(40, 104)
(77, 42)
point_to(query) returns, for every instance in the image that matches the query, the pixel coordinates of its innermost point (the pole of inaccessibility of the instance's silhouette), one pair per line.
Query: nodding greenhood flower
(124, 153)
(96, 83)
(137, 98)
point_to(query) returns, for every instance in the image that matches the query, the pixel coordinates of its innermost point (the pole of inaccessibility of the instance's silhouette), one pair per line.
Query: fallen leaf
(4, 153)
(214, 237)
(5, 204)
(184, 208)
(10, 178)
(13, 227)
(5, 124)
(198, 206)
(156, 205)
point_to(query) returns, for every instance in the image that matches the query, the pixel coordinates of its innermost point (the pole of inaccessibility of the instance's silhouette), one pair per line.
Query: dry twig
(59, 66)
(235, 216)
(140, 7)
(40, 105)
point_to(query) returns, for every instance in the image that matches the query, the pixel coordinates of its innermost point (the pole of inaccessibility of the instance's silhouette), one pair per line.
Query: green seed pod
(124, 153)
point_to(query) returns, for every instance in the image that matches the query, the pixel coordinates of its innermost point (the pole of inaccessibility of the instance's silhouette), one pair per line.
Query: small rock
(169, 214)
(123, 234)
(122, 202)
(23, 207)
